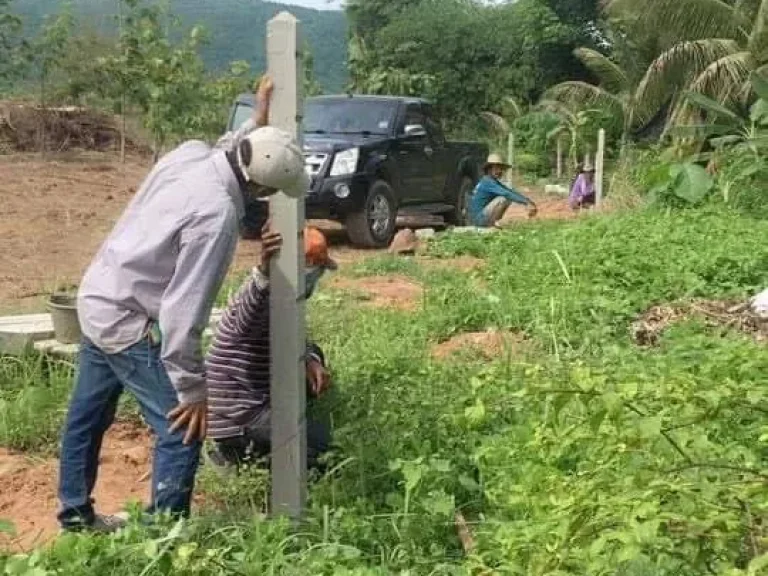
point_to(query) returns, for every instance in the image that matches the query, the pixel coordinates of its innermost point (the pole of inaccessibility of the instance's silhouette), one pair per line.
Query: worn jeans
(495, 209)
(101, 379)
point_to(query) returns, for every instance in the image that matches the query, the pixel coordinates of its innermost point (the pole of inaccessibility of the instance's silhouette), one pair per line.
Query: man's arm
(259, 118)
(205, 255)
(250, 306)
(499, 189)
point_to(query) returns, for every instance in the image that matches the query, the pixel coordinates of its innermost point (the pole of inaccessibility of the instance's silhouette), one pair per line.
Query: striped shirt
(237, 364)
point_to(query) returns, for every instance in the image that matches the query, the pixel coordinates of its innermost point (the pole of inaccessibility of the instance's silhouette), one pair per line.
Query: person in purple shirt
(583, 189)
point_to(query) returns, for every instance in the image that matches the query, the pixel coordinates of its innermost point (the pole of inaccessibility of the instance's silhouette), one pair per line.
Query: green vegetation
(587, 455)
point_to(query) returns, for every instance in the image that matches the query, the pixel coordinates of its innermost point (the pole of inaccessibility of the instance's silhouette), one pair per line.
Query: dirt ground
(55, 212)
(53, 216)
(29, 485)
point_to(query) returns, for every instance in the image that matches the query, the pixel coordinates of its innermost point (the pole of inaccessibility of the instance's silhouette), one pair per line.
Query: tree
(717, 46)
(11, 43)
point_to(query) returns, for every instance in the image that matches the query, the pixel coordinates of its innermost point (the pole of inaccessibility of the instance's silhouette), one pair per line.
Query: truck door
(414, 156)
(442, 161)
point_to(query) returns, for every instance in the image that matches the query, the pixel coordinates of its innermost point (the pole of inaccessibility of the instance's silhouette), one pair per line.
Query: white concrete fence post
(287, 324)
(599, 167)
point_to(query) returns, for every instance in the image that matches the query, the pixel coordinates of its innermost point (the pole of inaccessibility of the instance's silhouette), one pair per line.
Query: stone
(404, 242)
(425, 233)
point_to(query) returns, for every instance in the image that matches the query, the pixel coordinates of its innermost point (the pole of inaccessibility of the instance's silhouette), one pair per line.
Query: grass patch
(588, 456)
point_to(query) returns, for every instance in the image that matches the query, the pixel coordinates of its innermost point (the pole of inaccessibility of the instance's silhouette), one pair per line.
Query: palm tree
(720, 43)
(614, 92)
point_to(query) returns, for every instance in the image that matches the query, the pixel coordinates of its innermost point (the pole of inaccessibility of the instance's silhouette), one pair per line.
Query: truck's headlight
(345, 162)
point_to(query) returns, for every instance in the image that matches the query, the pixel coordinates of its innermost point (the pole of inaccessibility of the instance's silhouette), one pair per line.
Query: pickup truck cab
(371, 158)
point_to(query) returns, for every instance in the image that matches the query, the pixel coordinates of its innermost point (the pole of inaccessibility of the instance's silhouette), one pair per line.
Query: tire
(459, 215)
(374, 226)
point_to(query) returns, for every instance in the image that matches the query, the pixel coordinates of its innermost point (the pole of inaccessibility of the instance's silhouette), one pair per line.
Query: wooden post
(599, 165)
(559, 157)
(287, 328)
(511, 156)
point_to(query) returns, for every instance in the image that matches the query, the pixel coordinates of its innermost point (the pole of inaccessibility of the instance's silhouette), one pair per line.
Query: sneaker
(217, 461)
(109, 523)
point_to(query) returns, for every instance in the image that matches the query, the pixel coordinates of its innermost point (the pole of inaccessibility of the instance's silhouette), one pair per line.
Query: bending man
(146, 299)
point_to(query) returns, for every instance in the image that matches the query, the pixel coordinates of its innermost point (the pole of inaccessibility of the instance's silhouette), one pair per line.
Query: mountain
(236, 29)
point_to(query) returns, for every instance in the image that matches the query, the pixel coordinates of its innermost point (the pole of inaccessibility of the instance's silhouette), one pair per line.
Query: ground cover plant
(590, 456)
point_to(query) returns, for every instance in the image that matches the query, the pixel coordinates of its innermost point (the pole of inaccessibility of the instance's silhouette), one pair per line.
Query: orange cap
(316, 249)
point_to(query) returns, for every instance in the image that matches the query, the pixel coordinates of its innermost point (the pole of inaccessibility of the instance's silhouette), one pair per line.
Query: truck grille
(313, 163)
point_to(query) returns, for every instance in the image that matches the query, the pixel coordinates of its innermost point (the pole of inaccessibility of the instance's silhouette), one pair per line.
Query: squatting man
(146, 299)
(238, 365)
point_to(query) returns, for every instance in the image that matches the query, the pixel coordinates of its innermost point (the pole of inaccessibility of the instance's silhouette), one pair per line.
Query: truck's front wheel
(374, 225)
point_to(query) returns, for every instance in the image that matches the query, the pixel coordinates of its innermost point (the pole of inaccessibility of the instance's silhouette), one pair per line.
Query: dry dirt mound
(489, 344)
(29, 486)
(396, 292)
(26, 127)
(647, 329)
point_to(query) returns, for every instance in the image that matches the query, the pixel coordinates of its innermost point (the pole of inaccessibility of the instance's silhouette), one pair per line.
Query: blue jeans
(101, 379)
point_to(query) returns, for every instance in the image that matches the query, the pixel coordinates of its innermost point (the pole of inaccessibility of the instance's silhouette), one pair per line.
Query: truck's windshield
(349, 116)
(242, 113)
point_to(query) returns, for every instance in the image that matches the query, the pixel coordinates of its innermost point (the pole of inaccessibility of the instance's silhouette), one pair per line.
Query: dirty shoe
(108, 523)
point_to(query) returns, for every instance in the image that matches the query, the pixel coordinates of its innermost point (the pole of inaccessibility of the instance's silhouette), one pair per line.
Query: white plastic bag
(760, 304)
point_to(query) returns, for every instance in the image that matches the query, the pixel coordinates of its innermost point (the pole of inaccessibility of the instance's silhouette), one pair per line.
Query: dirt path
(29, 485)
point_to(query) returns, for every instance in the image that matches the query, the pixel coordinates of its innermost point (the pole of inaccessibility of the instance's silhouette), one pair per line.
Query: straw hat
(495, 160)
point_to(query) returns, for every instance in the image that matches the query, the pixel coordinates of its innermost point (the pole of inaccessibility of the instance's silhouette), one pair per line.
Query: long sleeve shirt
(238, 361)
(165, 260)
(581, 189)
(486, 190)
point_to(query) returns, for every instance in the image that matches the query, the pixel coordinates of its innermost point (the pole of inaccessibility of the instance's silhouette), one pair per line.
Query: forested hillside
(235, 27)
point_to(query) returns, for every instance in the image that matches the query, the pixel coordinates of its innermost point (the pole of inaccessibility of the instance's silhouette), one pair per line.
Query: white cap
(270, 157)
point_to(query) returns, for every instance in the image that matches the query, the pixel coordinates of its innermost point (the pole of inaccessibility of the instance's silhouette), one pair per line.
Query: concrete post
(599, 167)
(287, 324)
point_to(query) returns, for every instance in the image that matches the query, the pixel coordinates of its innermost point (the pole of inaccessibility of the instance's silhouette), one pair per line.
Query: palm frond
(578, 94)
(725, 78)
(758, 39)
(512, 107)
(612, 77)
(673, 70)
(496, 122)
(686, 19)
(711, 106)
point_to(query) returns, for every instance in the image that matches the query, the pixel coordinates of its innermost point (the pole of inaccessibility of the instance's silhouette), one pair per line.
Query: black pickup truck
(371, 158)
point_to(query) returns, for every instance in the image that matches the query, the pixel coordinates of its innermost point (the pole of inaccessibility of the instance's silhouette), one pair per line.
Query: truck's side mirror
(414, 131)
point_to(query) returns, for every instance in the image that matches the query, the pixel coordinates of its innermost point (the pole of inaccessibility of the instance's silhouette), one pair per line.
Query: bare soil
(29, 494)
(396, 292)
(489, 345)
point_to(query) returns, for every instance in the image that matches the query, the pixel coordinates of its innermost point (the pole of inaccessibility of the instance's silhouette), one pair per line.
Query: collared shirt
(581, 189)
(486, 190)
(165, 261)
(238, 361)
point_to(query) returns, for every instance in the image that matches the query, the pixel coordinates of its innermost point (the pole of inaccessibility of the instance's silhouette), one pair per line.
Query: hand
(194, 417)
(532, 211)
(264, 89)
(271, 242)
(263, 99)
(318, 376)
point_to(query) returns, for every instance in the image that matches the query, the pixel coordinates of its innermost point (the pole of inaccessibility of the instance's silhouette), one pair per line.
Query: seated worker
(238, 364)
(491, 198)
(583, 190)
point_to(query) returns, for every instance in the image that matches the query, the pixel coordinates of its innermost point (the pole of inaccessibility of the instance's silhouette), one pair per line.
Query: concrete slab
(20, 334)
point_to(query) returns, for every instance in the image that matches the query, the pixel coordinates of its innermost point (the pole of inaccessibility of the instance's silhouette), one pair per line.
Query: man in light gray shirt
(146, 299)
